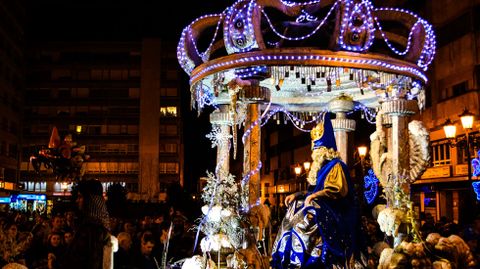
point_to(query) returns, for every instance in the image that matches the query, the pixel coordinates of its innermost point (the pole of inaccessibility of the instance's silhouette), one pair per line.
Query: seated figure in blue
(319, 228)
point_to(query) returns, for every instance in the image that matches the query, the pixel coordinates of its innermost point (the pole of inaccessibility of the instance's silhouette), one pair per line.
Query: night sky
(114, 20)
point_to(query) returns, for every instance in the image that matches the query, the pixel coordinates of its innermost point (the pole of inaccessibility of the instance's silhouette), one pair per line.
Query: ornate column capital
(341, 104)
(254, 94)
(221, 118)
(347, 125)
(386, 121)
(400, 107)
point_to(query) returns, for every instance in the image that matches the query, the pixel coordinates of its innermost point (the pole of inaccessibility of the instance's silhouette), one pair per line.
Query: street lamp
(362, 153)
(298, 170)
(306, 165)
(467, 119)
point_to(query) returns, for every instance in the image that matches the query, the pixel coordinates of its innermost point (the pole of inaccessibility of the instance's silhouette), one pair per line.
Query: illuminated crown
(254, 25)
(320, 45)
(322, 135)
(317, 132)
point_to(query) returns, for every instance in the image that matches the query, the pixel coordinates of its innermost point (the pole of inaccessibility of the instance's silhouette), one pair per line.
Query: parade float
(295, 61)
(63, 158)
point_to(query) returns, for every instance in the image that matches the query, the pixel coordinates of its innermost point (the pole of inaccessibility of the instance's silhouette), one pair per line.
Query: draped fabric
(95, 210)
(92, 238)
(321, 235)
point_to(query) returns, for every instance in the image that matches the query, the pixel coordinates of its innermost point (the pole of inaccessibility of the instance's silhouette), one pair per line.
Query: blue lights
(476, 173)
(371, 186)
(41, 197)
(476, 188)
(476, 165)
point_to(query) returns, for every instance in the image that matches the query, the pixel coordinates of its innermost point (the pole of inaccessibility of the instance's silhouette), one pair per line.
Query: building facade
(119, 99)
(284, 148)
(444, 190)
(12, 76)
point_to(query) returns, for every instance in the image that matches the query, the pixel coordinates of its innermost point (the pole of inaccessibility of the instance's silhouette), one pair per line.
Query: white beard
(318, 158)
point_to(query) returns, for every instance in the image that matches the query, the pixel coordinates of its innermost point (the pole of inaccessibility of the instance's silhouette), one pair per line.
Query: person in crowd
(144, 258)
(160, 248)
(68, 236)
(146, 223)
(129, 228)
(429, 225)
(55, 244)
(472, 237)
(40, 231)
(92, 235)
(50, 253)
(321, 227)
(57, 224)
(12, 245)
(122, 258)
(70, 220)
(114, 225)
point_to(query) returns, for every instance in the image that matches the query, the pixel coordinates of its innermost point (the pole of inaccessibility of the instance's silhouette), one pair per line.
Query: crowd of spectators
(68, 240)
(48, 242)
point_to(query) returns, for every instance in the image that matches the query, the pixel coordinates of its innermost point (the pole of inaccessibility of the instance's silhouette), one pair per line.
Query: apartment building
(445, 188)
(12, 76)
(119, 99)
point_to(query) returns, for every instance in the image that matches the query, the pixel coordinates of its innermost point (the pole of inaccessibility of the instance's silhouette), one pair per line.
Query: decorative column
(251, 154)
(341, 125)
(221, 119)
(253, 95)
(399, 110)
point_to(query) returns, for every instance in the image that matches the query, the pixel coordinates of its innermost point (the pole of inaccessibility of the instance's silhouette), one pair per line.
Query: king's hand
(308, 200)
(289, 199)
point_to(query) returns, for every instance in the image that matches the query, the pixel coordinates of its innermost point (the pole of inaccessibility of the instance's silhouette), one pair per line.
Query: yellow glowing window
(168, 111)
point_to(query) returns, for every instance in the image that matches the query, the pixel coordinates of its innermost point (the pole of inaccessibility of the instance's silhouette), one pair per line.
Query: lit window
(168, 111)
(168, 168)
(441, 154)
(168, 148)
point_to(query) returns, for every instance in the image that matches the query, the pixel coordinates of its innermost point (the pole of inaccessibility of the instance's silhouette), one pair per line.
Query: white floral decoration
(217, 137)
(223, 190)
(221, 221)
(198, 262)
(215, 242)
(390, 219)
(214, 214)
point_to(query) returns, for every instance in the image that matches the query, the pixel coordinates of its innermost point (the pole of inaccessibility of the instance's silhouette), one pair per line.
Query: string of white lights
(300, 37)
(292, 4)
(430, 43)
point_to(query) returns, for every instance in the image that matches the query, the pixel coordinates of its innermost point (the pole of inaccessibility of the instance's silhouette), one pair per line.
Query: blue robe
(323, 234)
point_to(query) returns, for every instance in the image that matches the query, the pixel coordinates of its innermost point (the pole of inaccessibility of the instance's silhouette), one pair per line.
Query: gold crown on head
(317, 132)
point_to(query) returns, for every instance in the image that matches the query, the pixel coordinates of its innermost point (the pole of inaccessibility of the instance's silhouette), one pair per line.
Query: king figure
(319, 228)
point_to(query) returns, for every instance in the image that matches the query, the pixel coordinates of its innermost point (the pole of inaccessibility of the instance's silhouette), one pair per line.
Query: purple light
(393, 67)
(243, 10)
